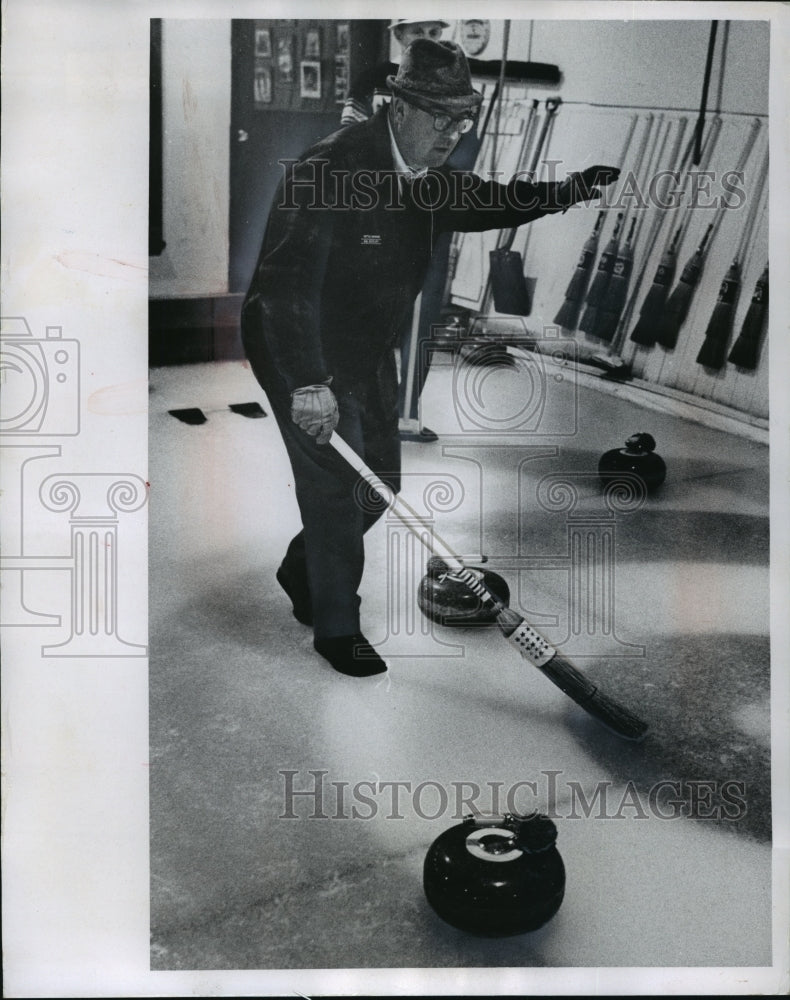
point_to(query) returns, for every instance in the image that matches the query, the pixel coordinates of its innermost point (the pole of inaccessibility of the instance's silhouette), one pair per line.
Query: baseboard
(193, 329)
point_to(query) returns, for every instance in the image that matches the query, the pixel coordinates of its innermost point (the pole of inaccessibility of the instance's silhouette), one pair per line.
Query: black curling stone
(496, 877)
(446, 600)
(637, 458)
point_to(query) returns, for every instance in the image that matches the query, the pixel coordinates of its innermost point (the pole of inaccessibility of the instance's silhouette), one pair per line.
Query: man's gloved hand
(585, 185)
(314, 409)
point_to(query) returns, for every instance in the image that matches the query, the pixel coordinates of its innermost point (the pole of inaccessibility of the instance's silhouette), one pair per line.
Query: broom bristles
(606, 324)
(674, 314)
(608, 312)
(746, 348)
(589, 319)
(713, 352)
(644, 333)
(601, 280)
(568, 313)
(578, 284)
(646, 328)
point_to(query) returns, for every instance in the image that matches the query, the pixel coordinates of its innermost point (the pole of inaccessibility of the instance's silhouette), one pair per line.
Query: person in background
(336, 278)
(368, 92)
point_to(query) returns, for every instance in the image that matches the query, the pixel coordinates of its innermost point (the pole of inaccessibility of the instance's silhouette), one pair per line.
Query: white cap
(418, 20)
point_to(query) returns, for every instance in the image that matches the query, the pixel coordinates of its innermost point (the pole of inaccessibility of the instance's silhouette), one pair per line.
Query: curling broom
(713, 352)
(568, 314)
(679, 302)
(746, 348)
(651, 310)
(608, 313)
(601, 279)
(532, 646)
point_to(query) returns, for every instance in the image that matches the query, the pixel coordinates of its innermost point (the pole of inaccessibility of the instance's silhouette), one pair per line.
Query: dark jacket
(345, 254)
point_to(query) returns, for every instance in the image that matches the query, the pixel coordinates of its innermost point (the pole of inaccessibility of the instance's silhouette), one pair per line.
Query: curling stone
(496, 876)
(446, 600)
(638, 457)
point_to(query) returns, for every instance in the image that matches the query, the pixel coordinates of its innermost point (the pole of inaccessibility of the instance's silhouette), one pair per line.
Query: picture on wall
(341, 79)
(312, 44)
(263, 84)
(285, 61)
(310, 80)
(342, 38)
(263, 43)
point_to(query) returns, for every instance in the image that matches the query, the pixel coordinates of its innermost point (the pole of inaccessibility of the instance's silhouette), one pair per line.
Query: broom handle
(704, 101)
(744, 159)
(640, 156)
(746, 235)
(501, 88)
(710, 145)
(400, 507)
(710, 232)
(651, 166)
(655, 229)
(552, 106)
(412, 355)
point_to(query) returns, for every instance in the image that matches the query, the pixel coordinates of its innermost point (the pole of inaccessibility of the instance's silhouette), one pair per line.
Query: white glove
(314, 409)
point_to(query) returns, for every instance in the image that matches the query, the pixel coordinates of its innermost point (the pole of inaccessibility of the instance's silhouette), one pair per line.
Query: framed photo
(341, 79)
(263, 85)
(310, 79)
(342, 38)
(285, 59)
(312, 44)
(263, 43)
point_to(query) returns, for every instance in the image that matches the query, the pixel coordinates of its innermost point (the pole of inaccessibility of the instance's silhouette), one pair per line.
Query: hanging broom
(613, 301)
(679, 302)
(601, 280)
(714, 347)
(645, 331)
(713, 352)
(746, 348)
(646, 326)
(614, 365)
(568, 315)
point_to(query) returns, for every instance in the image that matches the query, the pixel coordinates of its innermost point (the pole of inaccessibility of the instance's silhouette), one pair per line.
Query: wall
(613, 71)
(196, 135)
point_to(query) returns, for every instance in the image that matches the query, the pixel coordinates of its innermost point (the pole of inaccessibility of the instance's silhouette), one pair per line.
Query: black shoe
(424, 435)
(351, 654)
(300, 597)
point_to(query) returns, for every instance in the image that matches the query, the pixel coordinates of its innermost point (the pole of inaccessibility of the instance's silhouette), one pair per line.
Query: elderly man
(368, 92)
(344, 255)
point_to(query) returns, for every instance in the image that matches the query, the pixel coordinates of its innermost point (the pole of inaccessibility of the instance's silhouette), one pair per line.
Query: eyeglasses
(442, 122)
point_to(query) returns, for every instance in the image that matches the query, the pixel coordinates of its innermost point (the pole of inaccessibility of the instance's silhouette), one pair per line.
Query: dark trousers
(430, 313)
(327, 556)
